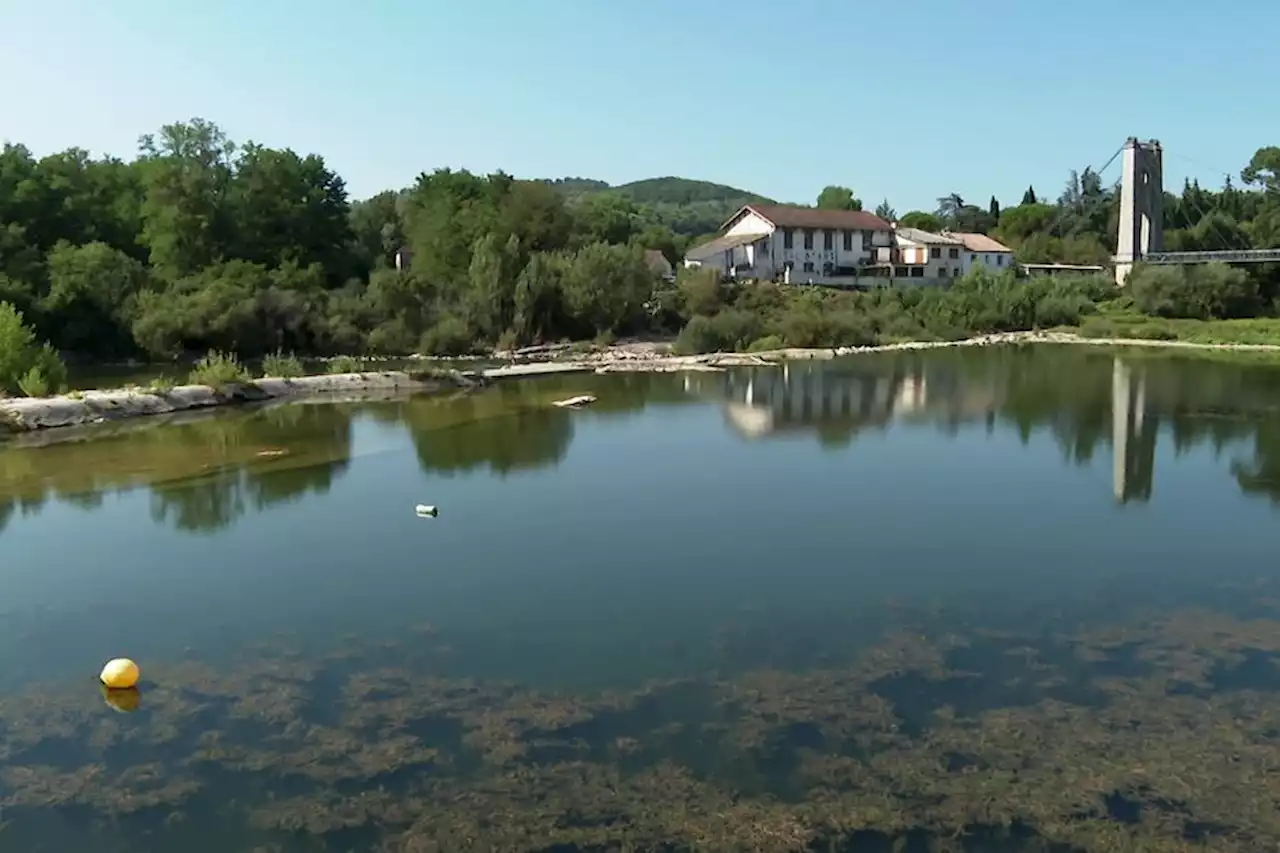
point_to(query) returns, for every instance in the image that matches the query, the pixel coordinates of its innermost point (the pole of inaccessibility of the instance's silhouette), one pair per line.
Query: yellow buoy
(120, 674)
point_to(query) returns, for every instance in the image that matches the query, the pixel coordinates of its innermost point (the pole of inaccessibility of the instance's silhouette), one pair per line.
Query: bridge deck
(1234, 256)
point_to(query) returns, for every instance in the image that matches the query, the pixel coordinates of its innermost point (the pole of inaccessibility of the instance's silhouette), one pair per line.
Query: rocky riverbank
(95, 407)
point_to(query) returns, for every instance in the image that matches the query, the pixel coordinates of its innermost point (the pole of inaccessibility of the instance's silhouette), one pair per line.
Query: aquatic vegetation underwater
(1155, 734)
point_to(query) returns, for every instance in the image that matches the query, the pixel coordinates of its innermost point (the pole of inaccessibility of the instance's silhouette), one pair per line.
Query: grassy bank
(1118, 319)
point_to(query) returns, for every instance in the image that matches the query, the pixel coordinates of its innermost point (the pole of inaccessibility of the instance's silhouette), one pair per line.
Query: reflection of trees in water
(503, 441)
(1262, 475)
(203, 473)
(513, 426)
(317, 444)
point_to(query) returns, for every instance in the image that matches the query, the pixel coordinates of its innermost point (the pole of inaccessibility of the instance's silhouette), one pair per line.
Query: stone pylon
(1141, 205)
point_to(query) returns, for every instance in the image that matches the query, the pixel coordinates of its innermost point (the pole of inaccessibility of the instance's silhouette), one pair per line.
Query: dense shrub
(1208, 291)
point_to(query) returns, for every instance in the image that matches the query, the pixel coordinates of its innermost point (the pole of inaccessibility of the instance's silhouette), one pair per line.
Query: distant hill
(577, 186)
(686, 206)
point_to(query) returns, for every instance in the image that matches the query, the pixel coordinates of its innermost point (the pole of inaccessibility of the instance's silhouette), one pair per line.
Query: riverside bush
(1205, 292)
(26, 366)
(280, 365)
(218, 370)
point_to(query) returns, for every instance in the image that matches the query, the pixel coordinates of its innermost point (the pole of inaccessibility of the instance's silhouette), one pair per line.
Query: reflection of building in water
(816, 396)
(1133, 437)
(800, 396)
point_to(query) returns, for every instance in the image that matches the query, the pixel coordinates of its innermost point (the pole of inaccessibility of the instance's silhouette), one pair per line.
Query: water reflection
(205, 469)
(1084, 397)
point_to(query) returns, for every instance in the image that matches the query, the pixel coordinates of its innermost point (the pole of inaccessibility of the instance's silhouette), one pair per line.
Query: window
(942, 272)
(954, 253)
(786, 238)
(973, 259)
(848, 241)
(866, 239)
(808, 266)
(935, 252)
(808, 238)
(917, 272)
(999, 260)
(828, 240)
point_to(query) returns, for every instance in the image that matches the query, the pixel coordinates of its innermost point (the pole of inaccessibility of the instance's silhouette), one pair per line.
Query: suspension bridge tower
(1141, 205)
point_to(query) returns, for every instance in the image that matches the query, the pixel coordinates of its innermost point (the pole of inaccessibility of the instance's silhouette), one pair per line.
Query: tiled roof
(791, 216)
(927, 238)
(978, 242)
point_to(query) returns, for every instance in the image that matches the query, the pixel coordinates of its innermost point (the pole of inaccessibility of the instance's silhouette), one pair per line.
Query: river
(994, 599)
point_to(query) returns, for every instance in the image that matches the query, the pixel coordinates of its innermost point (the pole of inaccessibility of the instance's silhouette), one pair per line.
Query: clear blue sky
(907, 101)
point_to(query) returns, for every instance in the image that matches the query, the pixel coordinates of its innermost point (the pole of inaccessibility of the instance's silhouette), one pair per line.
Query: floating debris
(575, 402)
(426, 511)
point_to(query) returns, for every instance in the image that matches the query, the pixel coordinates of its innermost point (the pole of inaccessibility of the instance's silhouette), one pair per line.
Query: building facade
(983, 252)
(929, 256)
(798, 245)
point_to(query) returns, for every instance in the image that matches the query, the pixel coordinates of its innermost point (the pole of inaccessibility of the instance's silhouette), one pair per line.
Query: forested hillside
(689, 208)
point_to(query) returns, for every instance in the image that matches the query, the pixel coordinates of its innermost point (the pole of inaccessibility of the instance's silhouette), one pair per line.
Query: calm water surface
(1000, 600)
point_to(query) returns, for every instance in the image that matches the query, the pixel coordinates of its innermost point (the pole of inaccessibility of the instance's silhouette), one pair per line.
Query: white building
(925, 255)
(799, 245)
(983, 251)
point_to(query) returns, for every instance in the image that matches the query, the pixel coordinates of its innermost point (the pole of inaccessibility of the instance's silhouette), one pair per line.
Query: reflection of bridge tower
(1141, 205)
(1133, 436)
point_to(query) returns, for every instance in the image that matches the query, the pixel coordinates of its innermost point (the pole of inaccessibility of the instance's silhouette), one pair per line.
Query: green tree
(289, 209)
(91, 291)
(920, 219)
(886, 212)
(605, 288)
(187, 171)
(1029, 197)
(377, 230)
(838, 198)
(1263, 169)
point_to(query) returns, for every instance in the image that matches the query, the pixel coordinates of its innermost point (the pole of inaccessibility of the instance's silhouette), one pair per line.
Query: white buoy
(426, 511)
(120, 674)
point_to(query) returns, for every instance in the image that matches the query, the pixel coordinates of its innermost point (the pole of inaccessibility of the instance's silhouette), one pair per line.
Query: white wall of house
(750, 223)
(941, 261)
(995, 261)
